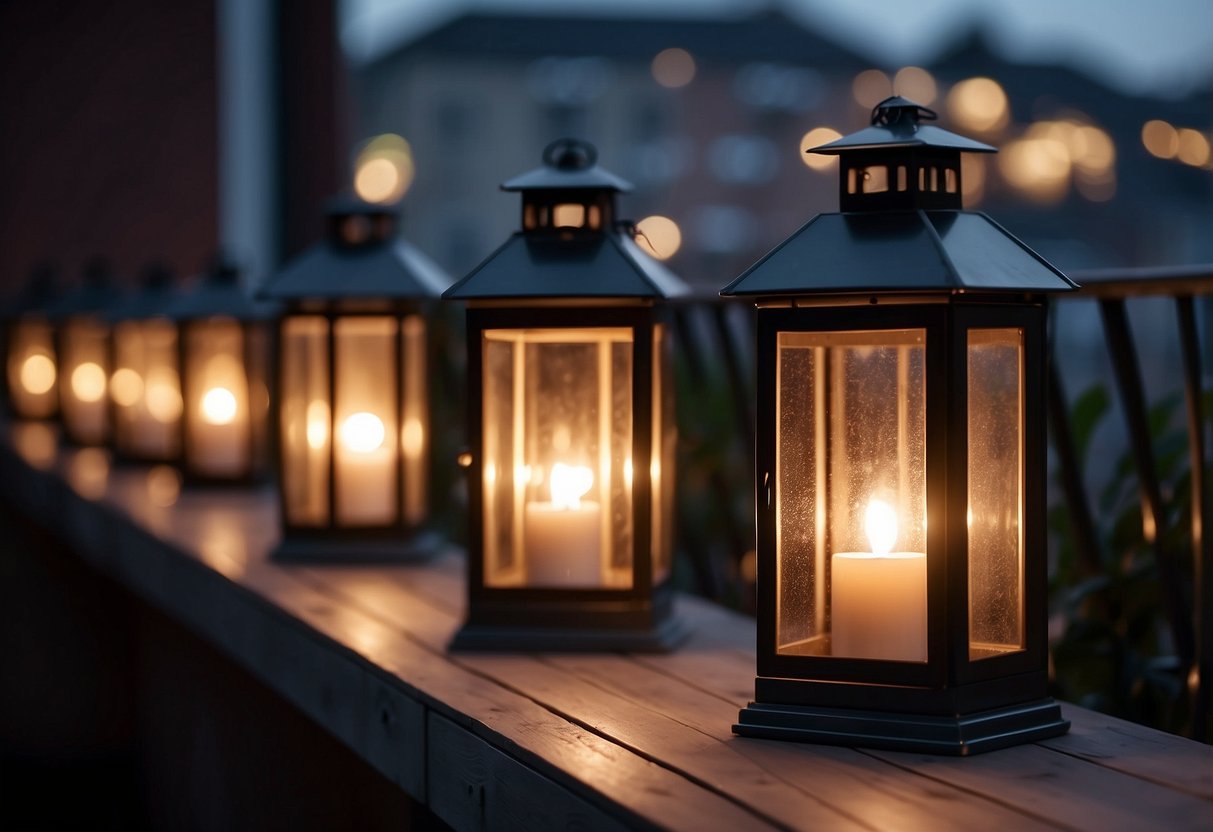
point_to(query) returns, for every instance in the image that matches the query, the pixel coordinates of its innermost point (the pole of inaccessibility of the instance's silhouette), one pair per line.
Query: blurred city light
(1193, 147)
(916, 84)
(673, 68)
(1160, 139)
(870, 87)
(979, 104)
(384, 169)
(659, 236)
(815, 138)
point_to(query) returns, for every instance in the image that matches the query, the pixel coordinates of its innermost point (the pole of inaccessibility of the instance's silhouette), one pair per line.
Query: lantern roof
(593, 261)
(896, 122)
(97, 291)
(219, 294)
(156, 291)
(360, 259)
(568, 165)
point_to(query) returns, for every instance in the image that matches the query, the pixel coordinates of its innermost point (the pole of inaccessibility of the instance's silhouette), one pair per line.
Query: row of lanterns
(899, 451)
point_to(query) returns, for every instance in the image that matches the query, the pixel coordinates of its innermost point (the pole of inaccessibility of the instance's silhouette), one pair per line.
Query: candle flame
(218, 406)
(569, 484)
(362, 432)
(38, 374)
(880, 524)
(88, 382)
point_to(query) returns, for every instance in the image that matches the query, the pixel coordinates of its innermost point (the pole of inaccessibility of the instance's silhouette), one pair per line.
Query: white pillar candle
(878, 599)
(365, 468)
(563, 538)
(220, 440)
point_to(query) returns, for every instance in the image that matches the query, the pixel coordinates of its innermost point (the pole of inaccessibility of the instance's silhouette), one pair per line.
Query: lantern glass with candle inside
(31, 367)
(145, 386)
(84, 350)
(352, 392)
(900, 461)
(225, 340)
(570, 396)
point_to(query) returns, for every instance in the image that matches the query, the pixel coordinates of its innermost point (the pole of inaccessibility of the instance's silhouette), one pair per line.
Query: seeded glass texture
(31, 369)
(995, 514)
(851, 427)
(558, 405)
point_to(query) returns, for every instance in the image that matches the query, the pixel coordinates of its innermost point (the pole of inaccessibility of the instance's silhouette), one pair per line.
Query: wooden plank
(475, 786)
(1165, 759)
(395, 738)
(1063, 789)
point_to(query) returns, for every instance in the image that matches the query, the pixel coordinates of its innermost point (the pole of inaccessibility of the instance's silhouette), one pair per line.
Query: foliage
(1112, 648)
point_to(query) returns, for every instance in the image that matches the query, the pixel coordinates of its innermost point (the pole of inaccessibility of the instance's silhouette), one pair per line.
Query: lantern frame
(901, 260)
(85, 306)
(30, 309)
(146, 306)
(219, 298)
(360, 271)
(551, 277)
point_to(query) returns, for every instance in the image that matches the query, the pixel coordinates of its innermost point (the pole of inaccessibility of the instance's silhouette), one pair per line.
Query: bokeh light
(815, 138)
(673, 68)
(1160, 139)
(88, 382)
(916, 84)
(38, 374)
(384, 169)
(659, 236)
(870, 87)
(979, 104)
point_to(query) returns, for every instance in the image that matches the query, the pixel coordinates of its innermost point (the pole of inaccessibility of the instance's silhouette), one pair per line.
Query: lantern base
(662, 638)
(414, 549)
(958, 736)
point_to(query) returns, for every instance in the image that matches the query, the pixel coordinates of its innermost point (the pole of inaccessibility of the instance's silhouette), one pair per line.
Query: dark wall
(108, 140)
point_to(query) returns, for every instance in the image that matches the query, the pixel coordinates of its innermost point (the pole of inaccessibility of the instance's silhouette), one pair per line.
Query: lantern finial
(570, 154)
(895, 110)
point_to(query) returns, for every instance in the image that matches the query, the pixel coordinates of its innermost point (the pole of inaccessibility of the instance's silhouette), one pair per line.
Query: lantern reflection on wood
(224, 367)
(352, 392)
(901, 461)
(84, 350)
(145, 387)
(31, 368)
(572, 425)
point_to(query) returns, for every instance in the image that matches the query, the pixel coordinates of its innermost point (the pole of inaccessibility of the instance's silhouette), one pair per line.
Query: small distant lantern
(145, 387)
(31, 368)
(225, 347)
(901, 461)
(572, 427)
(352, 388)
(84, 352)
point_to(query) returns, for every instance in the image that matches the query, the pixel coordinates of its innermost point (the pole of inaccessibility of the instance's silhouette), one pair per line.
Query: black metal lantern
(572, 425)
(224, 355)
(31, 368)
(144, 385)
(352, 392)
(83, 346)
(901, 461)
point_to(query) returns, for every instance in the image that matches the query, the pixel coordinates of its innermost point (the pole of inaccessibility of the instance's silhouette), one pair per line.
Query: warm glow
(1039, 167)
(126, 387)
(88, 382)
(163, 397)
(317, 424)
(916, 84)
(627, 473)
(870, 87)
(659, 236)
(570, 215)
(163, 486)
(979, 104)
(384, 169)
(972, 178)
(1160, 139)
(218, 406)
(412, 438)
(673, 68)
(880, 525)
(569, 484)
(38, 374)
(362, 432)
(1193, 147)
(815, 138)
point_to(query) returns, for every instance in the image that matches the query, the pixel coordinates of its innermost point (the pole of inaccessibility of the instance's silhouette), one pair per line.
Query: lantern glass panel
(31, 368)
(995, 511)
(415, 413)
(146, 390)
(558, 457)
(851, 508)
(364, 460)
(219, 439)
(84, 365)
(305, 420)
(665, 444)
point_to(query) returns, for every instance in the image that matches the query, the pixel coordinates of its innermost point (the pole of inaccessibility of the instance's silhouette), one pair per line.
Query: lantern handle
(570, 154)
(896, 108)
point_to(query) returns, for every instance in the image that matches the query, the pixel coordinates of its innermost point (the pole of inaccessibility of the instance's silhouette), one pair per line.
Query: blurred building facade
(710, 118)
